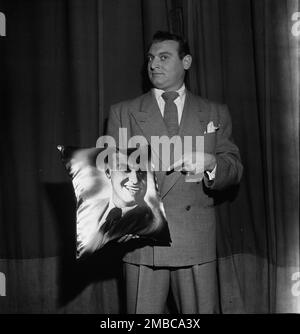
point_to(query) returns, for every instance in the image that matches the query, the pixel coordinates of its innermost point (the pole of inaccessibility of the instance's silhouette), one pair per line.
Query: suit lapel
(149, 118)
(193, 119)
(150, 121)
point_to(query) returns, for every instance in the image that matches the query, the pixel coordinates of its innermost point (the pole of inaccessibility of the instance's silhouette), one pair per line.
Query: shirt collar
(112, 205)
(158, 92)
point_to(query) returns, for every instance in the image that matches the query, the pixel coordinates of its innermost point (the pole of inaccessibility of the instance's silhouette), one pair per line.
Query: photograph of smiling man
(133, 201)
(117, 198)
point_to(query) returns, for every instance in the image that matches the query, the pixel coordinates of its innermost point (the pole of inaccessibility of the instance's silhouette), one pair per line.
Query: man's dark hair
(183, 48)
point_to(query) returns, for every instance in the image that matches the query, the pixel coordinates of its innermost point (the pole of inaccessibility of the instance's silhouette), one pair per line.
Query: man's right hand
(128, 237)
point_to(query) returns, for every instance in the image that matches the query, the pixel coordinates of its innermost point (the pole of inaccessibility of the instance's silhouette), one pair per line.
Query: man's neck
(119, 204)
(180, 88)
(158, 92)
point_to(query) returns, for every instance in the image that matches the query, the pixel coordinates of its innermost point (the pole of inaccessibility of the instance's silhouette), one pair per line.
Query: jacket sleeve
(229, 167)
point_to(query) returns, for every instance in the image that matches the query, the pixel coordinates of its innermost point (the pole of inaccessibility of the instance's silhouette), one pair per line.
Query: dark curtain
(246, 55)
(63, 63)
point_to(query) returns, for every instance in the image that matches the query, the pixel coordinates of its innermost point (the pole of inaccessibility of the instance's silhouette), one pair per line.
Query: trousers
(193, 289)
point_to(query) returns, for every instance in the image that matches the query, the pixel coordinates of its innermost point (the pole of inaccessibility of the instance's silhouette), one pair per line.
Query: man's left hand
(195, 162)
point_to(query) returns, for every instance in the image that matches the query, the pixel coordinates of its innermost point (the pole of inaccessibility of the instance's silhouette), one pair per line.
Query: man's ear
(187, 61)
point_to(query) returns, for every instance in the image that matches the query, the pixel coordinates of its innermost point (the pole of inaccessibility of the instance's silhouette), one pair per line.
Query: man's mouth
(133, 190)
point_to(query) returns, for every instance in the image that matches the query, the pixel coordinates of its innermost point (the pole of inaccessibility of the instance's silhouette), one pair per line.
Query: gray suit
(189, 206)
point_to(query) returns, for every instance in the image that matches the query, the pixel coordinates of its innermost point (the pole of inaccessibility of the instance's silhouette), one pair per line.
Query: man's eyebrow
(160, 54)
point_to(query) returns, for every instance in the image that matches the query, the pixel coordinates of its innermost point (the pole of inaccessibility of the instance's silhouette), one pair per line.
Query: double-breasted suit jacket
(189, 206)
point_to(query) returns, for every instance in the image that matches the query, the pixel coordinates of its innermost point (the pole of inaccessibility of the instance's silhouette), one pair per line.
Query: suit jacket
(189, 206)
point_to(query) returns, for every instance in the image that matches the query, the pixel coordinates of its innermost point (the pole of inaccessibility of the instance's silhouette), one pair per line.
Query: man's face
(129, 185)
(165, 69)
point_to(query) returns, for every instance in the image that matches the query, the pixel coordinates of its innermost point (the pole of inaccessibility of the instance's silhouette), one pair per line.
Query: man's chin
(129, 199)
(157, 83)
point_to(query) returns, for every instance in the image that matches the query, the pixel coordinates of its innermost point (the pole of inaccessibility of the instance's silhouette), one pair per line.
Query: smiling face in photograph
(166, 70)
(129, 184)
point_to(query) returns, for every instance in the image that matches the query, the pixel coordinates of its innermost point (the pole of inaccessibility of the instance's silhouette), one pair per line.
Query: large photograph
(116, 198)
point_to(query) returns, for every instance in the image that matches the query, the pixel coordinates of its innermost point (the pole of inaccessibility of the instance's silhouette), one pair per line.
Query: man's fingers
(176, 164)
(128, 237)
(122, 239)
(185, 164)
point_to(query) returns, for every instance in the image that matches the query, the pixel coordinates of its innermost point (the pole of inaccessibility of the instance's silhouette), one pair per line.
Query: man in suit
(187, 268)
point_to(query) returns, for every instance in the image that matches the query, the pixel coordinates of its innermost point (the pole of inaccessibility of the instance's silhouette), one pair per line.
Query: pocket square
(211, 127)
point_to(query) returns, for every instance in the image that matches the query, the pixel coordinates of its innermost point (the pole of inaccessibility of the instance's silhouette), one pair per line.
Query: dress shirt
(179, 101)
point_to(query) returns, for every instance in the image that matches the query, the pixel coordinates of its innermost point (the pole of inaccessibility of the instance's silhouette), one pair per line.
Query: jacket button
(187, 207)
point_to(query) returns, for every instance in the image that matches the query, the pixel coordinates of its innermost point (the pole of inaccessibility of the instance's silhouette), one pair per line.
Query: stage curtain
(246, 54)
(63, 63)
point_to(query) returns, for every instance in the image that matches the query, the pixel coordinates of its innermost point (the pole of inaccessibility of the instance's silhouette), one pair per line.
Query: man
(186, 269)
(129, 182)
(128, 189)
(133, 207)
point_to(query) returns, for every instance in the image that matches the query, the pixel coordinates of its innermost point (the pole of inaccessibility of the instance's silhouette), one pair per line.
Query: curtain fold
(49, 96)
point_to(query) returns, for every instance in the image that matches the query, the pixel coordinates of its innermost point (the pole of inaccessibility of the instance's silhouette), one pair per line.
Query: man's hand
(195, 162)
(128, 237)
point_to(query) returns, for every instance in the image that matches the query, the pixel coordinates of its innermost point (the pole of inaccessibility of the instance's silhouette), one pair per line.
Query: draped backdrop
(63, 63)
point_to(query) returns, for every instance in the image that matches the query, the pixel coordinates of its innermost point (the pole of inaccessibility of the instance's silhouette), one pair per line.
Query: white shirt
(179, 101)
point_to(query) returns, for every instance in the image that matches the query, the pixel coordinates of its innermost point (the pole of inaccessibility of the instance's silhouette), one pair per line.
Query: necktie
(112, 219)
(170, 112)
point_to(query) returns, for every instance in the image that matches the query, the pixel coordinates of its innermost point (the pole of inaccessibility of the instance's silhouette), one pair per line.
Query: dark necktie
(171, 113)
(113, 217)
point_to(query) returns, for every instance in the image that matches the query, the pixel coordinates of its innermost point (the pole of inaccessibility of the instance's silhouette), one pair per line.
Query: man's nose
(154, 63)
(133, 177)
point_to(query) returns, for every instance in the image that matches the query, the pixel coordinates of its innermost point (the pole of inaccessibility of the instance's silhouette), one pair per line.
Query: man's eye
(150, 59)
(163, 58)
